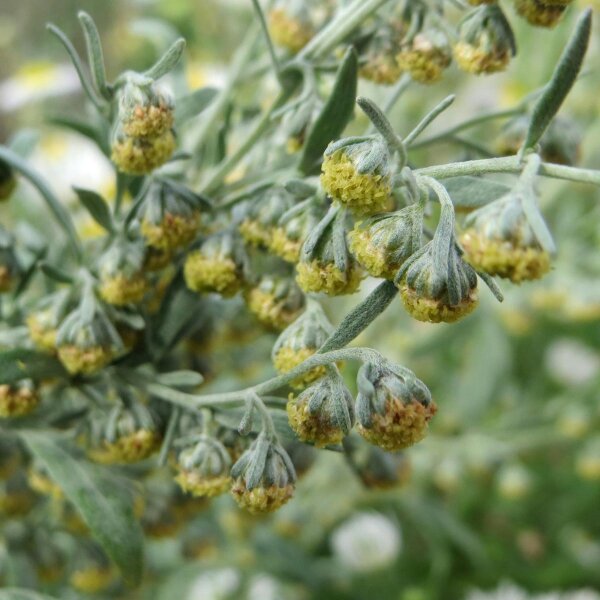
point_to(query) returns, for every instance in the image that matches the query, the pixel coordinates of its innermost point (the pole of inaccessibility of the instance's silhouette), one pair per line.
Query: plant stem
(195, 401)
(509, 164)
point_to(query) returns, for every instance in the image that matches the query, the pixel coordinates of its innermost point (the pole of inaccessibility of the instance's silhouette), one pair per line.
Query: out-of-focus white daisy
(572, 363)
(35, 81)
(221, 584)
(366, 542)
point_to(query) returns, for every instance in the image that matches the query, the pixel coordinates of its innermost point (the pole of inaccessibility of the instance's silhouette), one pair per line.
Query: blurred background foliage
(504, 493)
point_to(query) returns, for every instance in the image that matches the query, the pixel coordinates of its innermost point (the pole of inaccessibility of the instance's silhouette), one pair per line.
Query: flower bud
(86, 346)
(262, 216)
(276, 301)
(144, 111)
(122, 280)
(18, 400)
(263, 477)
(170, 216)
(426, 56)
(92, 578)
(380, 64)
(514, 482)
(393, 407)
(382, 243)
(290, 25)
(8, 182)
(40, 482)
(293, 228)
(142, 138)
(323, 413)
(540, 14)
(435, 283)
(486, 41)
(127, 435)
(326, 265)
(358, 173)
(9, 267)
(377, 469)
(300, 341)
(499, 241)
(560, 144)
(218, 266)
(203, 469)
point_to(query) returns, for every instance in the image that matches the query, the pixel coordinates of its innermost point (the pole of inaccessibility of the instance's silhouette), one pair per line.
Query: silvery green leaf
(55, 273)
(103, 502)
(334, 116)
(166, 63)
(537, 223)
(300, 189)
(190, 106)
(474, 192)
(95, 55)
(24, 142)
(564, 76)
(180, 379)
(96, 207)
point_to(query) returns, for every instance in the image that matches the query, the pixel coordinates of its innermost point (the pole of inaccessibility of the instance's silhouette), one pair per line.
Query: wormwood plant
(108, 343)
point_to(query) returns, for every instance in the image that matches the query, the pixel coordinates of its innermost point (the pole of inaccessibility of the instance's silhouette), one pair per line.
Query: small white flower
(366, 542)
(572, 363)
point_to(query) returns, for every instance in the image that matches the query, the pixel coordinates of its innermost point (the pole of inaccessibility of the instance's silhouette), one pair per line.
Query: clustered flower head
(426, 55)
(293, 228)
(18, 400)
(87, 343)
(263, 477)
(325, 264)
(323, 414)
(382, 243)
(486, 41)
(499, 240)
(275, 300)
(261, 216)
(127, 434)
(170, 216)
(301, 340)
(143, 138)
(435, 283)
(217, 266)
(541, 13)
(203, 468)
(122, 278)
(357, 172)
(380, 64)
(393, 407)
(290, 25)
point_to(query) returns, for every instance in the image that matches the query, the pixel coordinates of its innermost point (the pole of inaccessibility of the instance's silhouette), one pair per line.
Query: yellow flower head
(382, 243)
(540, 14)
(263, 477)
(426, 57)
(42, 329)
(92, 579)
(393, 407)
(323, 413)
(358, 175)
(17, 400)
(141, 155)
(315, 276)
(275, 301)
(85, 360)
(261, 500)
(173, 231)
(121, 290)
(128, 448)
(203, 469)
(290, 31)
